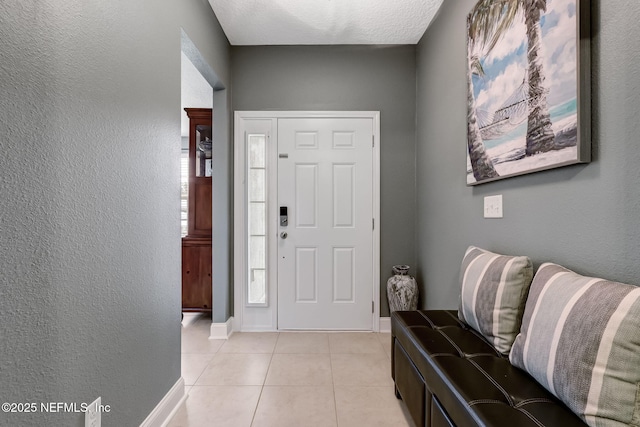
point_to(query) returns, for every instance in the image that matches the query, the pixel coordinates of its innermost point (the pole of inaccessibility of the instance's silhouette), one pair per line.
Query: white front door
(325, 259)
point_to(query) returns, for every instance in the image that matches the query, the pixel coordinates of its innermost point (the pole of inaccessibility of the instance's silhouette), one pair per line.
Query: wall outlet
(93, 417)
(493, 206)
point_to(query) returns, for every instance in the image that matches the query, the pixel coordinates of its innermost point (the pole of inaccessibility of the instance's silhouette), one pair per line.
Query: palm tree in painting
(481, 164)
(540, 136)
(483, 21)
(488, 22)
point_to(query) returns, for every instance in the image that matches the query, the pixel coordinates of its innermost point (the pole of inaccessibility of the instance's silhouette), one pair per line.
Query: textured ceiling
(311, 22)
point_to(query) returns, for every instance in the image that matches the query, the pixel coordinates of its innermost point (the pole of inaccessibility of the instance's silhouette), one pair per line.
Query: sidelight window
(257, 218)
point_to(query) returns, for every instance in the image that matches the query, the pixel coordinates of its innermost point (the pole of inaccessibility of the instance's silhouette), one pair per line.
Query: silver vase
(402, 290)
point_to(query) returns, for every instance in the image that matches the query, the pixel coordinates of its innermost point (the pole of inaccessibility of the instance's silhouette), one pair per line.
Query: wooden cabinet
(196, 245)
(196, 274)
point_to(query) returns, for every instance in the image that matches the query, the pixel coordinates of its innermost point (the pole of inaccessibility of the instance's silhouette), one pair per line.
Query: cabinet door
(200, 152)
(196, 278)
(200, 215)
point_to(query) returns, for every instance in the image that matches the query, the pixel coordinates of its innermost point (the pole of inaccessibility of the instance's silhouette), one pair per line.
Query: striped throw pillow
(580, 339)
(493, 292)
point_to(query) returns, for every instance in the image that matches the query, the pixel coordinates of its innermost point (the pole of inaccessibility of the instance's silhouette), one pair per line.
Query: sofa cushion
(580, 339)
(493, 292)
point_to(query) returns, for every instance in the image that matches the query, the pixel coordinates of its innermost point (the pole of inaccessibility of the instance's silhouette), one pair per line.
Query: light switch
(493, 206)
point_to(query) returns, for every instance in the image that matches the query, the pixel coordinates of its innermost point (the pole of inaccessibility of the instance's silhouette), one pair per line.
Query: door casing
(264, 318)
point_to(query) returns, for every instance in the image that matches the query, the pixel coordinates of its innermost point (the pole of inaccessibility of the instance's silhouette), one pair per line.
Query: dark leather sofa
(449, 375)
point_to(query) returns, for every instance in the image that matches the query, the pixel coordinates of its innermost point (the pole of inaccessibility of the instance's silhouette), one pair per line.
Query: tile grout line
(204, 369)
(333, 383)
(189, 328)
(255, 411)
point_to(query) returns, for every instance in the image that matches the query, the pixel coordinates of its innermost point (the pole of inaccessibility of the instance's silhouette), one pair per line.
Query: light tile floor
(287, 379)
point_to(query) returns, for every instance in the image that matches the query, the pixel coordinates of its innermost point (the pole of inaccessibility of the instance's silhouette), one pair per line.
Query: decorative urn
(402, 290)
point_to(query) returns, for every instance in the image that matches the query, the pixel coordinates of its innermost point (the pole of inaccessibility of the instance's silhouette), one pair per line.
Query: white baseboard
(385, 324)
(168, 406)
(221, 331)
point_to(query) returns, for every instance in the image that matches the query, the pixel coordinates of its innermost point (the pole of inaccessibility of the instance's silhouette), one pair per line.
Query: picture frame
(528, 87)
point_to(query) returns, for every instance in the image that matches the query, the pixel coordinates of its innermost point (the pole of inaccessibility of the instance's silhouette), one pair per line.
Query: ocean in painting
(558, 113)
(508, 151)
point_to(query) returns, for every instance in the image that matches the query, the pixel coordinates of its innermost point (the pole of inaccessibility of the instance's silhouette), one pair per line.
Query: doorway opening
(195, 196)
(211, 93)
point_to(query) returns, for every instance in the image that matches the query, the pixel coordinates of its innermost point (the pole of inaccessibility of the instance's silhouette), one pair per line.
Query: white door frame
(241, 321)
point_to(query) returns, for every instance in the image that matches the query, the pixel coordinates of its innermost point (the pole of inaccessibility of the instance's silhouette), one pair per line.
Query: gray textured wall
(347, 78)
(585, 217)
(89, 223)
(222, 199)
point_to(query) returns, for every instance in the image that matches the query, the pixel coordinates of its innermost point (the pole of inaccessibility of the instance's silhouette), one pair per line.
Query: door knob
(283, 235)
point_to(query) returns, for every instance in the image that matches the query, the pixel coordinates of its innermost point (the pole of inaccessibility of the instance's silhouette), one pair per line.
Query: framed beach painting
(528, 82)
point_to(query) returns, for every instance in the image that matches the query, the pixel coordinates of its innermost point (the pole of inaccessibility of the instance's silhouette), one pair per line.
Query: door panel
(343, 195)
(306, 187)
(325, 263)
(306, 265)
(344, 274)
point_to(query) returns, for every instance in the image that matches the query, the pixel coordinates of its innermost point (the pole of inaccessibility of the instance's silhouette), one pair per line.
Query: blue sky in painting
(506, 64)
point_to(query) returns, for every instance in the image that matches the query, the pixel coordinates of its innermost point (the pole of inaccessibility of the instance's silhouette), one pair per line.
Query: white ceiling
(308, 22)
(324, 22)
